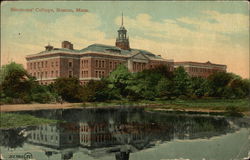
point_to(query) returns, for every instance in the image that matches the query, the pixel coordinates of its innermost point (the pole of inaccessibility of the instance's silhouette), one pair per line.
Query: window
(110, 65)
(30, 65)
(70, 64)
(70, 137)
(96, 74)
(56, 63)
(70, 74)
(46, 64)
(52, 64)
(100, 74)
(102, 64)
(37, 137)
(87, 63)
(42, 64)
(82, 73)
(56, 73)
(96, 63)
(34, 135)
(34, 65)
(46, 74)
(52, 73)
(38, 74)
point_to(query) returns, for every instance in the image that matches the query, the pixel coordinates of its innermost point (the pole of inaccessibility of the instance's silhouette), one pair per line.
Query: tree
(97, 91)
(181, 82)
(12, 138)
(69, 89)
(218, 84)
(43, 94)
(143, 84)
(198, 86)
(239, 87)
(16, 83)
(165, 88)
(119, 79)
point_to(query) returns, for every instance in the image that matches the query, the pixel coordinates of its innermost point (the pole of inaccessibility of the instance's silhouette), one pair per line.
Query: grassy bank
(211, 104)
(222, 105)
(12, 120)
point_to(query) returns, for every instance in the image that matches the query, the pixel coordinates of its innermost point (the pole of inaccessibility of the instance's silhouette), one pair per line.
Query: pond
(127, 133)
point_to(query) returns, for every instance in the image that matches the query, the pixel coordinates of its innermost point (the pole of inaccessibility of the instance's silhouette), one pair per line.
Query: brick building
(197, 69)
(92, 62)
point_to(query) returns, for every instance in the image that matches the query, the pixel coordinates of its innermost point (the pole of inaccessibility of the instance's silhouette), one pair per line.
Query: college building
(91, 63)
(197, 69)
(98, 60)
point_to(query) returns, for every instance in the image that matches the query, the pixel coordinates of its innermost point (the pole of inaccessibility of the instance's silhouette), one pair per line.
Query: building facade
(90, 63)
(196, 69)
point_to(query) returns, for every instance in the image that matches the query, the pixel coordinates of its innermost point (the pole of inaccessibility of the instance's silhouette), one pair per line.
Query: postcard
(124, 80)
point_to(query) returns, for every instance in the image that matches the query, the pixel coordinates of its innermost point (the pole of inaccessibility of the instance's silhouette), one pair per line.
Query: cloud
(218, 22)
(25, 33)
(206, 37)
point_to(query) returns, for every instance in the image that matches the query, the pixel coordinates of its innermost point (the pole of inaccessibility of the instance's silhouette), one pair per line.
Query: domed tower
(122, 41)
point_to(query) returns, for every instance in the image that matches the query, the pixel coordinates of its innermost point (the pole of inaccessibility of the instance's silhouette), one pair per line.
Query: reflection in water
(98, 132)
(12, 138)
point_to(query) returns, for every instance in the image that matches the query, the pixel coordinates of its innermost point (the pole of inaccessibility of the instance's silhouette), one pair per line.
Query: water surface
(127, 133)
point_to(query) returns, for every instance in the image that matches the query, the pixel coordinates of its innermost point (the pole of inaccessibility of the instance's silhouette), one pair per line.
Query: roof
(55, 50)
(198, 63)
(101, 48)
(113, 49)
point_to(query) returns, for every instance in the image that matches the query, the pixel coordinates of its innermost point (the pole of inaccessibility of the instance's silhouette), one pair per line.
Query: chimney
(67, 44)
(48, 47)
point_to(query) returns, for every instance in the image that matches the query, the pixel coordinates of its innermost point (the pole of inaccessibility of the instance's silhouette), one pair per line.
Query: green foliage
(181, 82)
(97, 91)
(165, 88)
(42, 94)
(227, 85)
(119, 79)
(143, 84)
(198, 86)
(12, 120)
(233, 111)
(217, 83)
(17, 86)
(69, 89)
(16, 83)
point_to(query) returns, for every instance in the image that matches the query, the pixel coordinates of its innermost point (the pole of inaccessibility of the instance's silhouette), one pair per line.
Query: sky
(183, 31)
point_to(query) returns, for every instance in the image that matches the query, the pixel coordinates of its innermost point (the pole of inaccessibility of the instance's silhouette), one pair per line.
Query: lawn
(240, 105)
(12, 120)
(211, 104)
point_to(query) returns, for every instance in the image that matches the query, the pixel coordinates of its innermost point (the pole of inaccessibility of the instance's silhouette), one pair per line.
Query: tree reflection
(12, 138)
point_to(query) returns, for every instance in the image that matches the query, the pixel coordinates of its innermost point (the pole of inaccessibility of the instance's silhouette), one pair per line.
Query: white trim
(45, 79)
(47, 58)
(103, 58)
(200, 66)
(90, 78)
